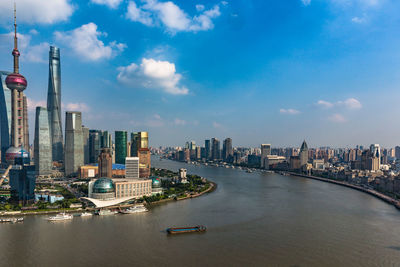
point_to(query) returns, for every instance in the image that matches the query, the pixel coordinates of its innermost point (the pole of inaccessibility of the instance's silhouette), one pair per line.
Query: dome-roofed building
(156, 186)
(103, 188)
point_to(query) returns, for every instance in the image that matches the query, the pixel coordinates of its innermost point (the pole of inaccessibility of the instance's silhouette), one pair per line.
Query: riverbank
(374, 193)
(212, 188)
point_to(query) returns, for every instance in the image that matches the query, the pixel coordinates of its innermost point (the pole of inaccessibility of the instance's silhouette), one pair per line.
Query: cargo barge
(194, 229)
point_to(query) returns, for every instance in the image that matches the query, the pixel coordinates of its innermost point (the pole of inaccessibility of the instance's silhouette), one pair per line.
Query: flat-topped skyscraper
(54, 104)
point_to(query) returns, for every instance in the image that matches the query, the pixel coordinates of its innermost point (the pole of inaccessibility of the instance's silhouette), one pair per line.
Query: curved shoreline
(209, 190)
(371, 192)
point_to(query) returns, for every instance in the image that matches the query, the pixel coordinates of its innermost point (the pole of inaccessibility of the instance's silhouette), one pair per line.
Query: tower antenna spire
(15, 52)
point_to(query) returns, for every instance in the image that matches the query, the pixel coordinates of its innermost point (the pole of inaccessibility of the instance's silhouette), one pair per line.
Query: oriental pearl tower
(17, 84)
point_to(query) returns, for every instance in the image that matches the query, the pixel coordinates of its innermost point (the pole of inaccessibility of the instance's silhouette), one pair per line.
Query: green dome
(156, 182)
(103, 185)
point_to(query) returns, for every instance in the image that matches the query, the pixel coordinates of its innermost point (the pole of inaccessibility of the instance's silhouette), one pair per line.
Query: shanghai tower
(54, 104)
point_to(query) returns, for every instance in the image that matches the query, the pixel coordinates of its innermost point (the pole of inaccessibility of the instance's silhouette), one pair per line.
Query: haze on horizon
(259, 71)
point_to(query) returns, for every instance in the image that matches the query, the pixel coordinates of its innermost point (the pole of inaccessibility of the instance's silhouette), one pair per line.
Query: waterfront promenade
(374, 193)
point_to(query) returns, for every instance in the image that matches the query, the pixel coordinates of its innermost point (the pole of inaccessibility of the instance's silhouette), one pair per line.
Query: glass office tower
(42, 146)
(54, 104)
(74, 157)
(121, 140)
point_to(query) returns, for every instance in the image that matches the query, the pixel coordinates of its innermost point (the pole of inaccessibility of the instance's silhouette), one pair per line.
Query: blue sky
(262, 71)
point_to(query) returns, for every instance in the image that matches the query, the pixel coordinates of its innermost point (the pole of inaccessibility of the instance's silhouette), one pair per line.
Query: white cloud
(289, 111)
(36, 11)
(38, 53)
(349, 103)
(179, 122)
(32, 104)
(359, 20)
(85, 42)
(200, 7)
(82, 107)
(217, 125)
(110, 3)
(152, 74)
(306, 2)
(155, 121)
(154, 13)
(337, 118)
(325, 104)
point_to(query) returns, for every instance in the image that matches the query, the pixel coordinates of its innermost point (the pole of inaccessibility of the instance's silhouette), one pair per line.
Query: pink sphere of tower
(16, 81)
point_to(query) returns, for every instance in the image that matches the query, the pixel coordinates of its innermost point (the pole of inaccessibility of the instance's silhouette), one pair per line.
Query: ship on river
(183, 230)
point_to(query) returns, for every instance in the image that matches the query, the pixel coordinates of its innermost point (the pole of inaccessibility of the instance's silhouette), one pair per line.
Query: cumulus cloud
(152, 74)
(168, 14)
(306, 2)
(82, 107)
(32, 104)
(350, 103)
(289, 111)
(37, 11)
(179, 122)
(217, 125)
(155, 121)
(110, 3)
(359, 20)
(85, 42)
(337, 118)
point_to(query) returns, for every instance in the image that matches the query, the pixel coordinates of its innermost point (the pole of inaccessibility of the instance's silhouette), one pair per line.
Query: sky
(258, 71)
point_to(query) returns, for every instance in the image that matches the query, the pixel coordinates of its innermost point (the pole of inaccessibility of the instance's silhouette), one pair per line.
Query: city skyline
(277, 72)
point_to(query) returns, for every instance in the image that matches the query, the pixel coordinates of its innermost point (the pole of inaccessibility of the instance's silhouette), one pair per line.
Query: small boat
(134, 209)
(61, 217)
(86, 214)
(106, 212)
(11, 220)
(194, 229)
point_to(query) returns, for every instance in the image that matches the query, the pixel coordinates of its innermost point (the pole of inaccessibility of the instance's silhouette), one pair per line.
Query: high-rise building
(215, 149)
(207, 147)
(121, 140)
(5, 115)
(375, 150)
(134, 144)
(144, 162)
(54, 104)
(86, 149)
(42, 147)
(26, 125)
(132, 168)
(105, 163)
(94, 145)
(397, 152)
(227, 150)
(303, 154)
(265, 151)
(74, 157)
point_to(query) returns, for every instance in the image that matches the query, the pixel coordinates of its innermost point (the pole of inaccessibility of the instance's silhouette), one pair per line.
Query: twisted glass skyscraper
(54, 104)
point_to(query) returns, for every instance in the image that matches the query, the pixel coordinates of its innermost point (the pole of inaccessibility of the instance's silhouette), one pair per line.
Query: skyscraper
(303, 154)
(5, 115)
(26, 126)
(105, 163)
(144, 162)
(120, 146)
(134, 144)
(227, 151)
(94, 145)
(132, 168)
(207, 146)
(86, 153)
(54, 104)
(215, 149)
(42, 146)
(265, 151)
(74, 156)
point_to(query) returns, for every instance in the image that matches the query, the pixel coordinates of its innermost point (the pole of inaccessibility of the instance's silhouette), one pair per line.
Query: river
(252, 219)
